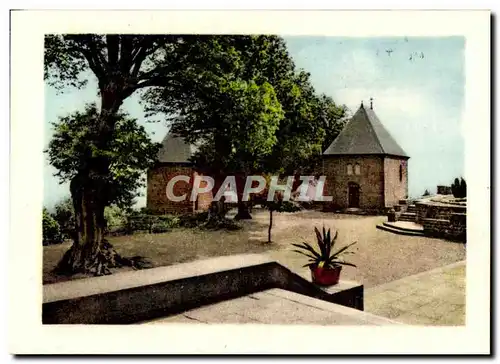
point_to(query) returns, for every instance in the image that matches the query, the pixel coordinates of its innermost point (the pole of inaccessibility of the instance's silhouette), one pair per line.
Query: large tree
(225, 106)
(129, 153)
(122, 64)
(208, 112)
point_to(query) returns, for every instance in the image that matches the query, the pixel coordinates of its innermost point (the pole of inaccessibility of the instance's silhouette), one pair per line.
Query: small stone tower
(364, 166)
(174, 160)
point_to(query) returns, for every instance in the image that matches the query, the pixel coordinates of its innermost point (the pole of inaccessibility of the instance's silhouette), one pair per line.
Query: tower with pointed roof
(174, 160)
(364, 166)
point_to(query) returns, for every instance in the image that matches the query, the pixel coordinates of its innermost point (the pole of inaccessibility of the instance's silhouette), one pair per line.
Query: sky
(417, 86)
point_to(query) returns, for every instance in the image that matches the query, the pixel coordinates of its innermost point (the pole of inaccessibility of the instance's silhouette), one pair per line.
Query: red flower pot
(325, 276)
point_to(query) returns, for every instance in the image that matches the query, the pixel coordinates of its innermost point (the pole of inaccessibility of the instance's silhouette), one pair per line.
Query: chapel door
(353, 195)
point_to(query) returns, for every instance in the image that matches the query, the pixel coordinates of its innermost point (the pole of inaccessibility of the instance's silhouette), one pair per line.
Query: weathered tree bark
(90, 252)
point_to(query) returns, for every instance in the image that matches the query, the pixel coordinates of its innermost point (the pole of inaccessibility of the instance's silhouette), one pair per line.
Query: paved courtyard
(275, 306)
(436, 297)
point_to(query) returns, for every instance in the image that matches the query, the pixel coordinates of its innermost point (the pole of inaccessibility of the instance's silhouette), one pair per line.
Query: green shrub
(200, 220)
(116, 219)
(160, 227)
(459, 188)
(51, 229)
(65, 216)
(463, 188)
(193, 220)
(138, 221)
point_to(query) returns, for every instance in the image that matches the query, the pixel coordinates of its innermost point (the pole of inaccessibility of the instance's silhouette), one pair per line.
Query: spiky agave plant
(324, 258)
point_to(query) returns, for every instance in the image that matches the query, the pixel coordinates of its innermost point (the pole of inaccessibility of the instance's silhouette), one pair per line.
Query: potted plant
(325, 264)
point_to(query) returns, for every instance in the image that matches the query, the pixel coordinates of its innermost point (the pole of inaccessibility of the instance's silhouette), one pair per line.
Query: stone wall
(395, 188)
(442, 221)
(428, 210)
(457, 229)
(157, 200)
(370, 181)
(435, 227)
(444, 190)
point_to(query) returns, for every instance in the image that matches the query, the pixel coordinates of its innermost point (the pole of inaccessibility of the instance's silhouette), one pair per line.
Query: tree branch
(98, 56)
(113, 43)
(126, 54)
(94, 64)
(159, 81)
(137, 60)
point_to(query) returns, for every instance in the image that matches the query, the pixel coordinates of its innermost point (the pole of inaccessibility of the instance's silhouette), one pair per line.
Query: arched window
(357, 169)
(349, 169)
(400, 173)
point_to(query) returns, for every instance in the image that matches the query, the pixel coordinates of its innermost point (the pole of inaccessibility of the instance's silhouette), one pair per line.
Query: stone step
(399, 231)
(406, 218)
(409, 213)
(408, 226)
(411, 208)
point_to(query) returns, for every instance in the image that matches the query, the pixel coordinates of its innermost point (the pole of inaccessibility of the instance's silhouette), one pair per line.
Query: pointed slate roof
(174, 149)
(365, 134)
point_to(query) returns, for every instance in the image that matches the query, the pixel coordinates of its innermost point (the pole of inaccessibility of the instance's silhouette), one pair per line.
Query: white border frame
(28, 335)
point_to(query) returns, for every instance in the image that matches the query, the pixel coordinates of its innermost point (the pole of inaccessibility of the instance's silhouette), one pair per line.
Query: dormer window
(349, 169)
(357, 169)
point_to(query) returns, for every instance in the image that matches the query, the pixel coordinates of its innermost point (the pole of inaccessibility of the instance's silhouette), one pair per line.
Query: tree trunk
(90, 252)
(217, 210)
(243, 210)
(243, 206)
(270, 226)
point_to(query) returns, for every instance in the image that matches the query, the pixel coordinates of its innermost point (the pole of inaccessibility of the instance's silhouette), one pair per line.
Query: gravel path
(380, 256)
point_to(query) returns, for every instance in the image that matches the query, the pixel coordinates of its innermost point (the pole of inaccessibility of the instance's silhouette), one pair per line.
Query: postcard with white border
(250, 182)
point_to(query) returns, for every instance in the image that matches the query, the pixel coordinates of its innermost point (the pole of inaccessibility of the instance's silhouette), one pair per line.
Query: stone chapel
(364, 166)
(174, 160)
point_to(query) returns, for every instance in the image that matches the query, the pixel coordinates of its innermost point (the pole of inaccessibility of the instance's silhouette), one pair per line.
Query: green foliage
(63, 62)
(129, 153)
(65, 216)
(244, 130)
(116, 219)
(426, 193)
(200, 220)
(247, 106)
(332, 119)
(138, 221)
(51, 230)
(459, 188)
(193, 220)
(311, 123)
(325, 256)
(162, 226)
(278, 205)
